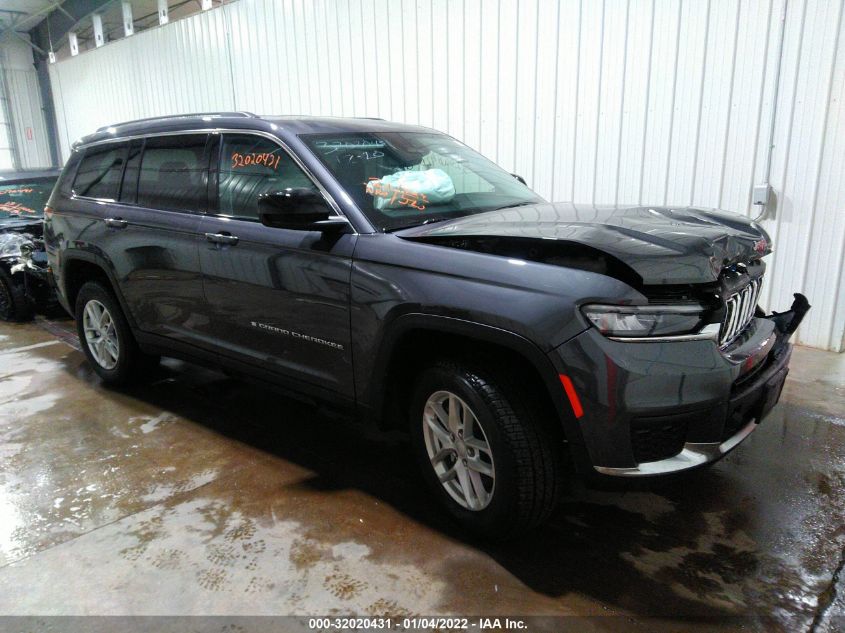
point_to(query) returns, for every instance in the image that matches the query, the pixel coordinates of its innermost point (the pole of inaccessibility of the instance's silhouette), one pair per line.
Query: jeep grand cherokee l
(392, 270)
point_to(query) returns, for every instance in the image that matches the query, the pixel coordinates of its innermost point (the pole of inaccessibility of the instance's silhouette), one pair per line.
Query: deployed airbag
(416, 189)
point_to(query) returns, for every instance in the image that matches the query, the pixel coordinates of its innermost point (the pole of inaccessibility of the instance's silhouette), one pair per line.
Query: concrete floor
(199, 494)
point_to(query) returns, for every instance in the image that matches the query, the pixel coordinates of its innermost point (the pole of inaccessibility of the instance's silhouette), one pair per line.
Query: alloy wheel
(100, 334)
(458, 450)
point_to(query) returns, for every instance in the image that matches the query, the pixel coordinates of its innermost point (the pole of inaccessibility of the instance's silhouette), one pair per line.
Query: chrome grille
(740, 309)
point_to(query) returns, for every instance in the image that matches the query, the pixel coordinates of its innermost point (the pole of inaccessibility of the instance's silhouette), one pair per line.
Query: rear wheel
(13, 303)
(106, 338)
(485, 449)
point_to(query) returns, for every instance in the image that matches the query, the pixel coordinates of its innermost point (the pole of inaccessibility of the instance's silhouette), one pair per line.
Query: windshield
(402, 179)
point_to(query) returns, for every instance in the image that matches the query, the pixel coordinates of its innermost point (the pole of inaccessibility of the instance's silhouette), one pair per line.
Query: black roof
(279, 125)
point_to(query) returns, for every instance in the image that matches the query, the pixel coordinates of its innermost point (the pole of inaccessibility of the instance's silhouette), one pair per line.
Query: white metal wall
(24, 107)
(607, 101)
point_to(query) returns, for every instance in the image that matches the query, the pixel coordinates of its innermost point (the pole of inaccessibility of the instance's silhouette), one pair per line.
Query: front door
(278, 298)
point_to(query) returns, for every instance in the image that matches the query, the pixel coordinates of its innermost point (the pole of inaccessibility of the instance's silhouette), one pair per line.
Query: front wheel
(106, 338)
(485, 449)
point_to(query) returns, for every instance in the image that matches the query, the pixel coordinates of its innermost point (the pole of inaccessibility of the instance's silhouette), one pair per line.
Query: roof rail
(174, 117)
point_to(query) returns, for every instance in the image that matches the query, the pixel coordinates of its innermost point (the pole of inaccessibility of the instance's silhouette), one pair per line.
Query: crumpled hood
(662, 245)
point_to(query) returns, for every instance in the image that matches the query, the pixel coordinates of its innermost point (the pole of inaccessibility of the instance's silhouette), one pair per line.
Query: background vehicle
(391, 270)
(24, 283)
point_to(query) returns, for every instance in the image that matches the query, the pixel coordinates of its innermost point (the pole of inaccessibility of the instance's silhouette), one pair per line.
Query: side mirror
(299, 209)
(520, 179)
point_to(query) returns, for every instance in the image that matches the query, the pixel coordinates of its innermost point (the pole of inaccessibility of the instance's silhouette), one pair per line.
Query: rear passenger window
(129, 187)
(99, 172)
(249, 166)
(173, 173)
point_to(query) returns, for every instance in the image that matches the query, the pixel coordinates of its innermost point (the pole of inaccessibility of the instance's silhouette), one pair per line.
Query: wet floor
(200, 494)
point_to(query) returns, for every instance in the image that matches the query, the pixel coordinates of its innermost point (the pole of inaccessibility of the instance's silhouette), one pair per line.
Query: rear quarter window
(99, 172)
(68, 173)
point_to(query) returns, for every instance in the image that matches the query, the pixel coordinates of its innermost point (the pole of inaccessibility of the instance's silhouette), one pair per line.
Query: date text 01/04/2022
(416, 623)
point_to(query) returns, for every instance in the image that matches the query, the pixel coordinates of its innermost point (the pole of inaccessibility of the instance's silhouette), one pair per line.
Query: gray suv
(392, 271)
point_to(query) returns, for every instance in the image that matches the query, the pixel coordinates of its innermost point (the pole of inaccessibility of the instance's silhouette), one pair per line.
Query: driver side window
(250, 166)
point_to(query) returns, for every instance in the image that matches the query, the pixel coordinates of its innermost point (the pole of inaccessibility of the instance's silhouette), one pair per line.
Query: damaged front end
(675, 375)
(25, 280)
(787, 322)
(25, 285)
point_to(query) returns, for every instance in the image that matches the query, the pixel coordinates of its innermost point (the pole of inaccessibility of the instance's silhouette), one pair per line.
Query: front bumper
(664, 407)
(34, 277)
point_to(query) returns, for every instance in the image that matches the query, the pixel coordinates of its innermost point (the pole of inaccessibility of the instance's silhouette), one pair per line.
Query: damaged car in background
(25, 286)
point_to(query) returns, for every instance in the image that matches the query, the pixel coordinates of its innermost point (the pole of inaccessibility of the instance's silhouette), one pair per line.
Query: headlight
(645, 321)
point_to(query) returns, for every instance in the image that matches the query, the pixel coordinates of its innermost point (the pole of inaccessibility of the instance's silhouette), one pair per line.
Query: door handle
(116, 223)
(221, 238)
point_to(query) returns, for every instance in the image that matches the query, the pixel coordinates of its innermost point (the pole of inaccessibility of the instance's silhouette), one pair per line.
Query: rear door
(278, 298)
(152, 233)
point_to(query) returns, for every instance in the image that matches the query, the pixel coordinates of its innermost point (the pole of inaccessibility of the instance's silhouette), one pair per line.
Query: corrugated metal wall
(24, 107)
(7, 152)
(613, 101)
(28, 115)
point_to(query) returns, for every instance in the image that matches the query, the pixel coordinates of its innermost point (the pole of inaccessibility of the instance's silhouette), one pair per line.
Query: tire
(118, 364)
(524, 457)
(13, 303)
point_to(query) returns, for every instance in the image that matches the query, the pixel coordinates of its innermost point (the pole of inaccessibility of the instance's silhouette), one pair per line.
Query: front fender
(373, 382)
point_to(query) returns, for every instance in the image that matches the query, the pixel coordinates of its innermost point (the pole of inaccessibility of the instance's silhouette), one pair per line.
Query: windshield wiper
(455, 217)
(424, 222)
(517, 204)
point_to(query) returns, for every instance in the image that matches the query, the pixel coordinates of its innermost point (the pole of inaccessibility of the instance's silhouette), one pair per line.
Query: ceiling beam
(62, 19)
(11, 31)
(31, 16)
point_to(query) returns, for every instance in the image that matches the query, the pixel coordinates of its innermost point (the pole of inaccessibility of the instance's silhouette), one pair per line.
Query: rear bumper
(659, 408)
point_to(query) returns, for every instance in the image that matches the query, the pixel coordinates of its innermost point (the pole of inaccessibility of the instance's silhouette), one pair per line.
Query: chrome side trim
(217, 130)
(691, 456)
(709, 332)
